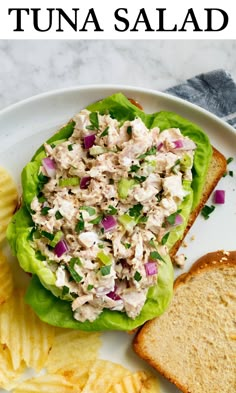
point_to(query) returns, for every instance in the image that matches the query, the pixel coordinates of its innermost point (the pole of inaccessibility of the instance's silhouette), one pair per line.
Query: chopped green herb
(80, 224)
(142, 219)
(65, 290)
(72, 271)
(53, 145)
(91, 211)
(229, 160)
(154, 255)
(70, 147)
(135, 211)
(100, 245)
(173, 168)
(104, 133)
(48, 235)
(165, 238)
(31, 235)
(150, 152)
(127, 245)
(129, 130)
(112, 210)
(93, 117)
(69, 181)
(40, 256)
(42, 198)
(207, 210)
(76, 261)
(158, 196)
(58, 215)
(140, 179)
(111, 181)
(43, 179)
(137, 276)
(134, 168)
(96, 220)
(152, 243)
(171, 219)
(105, 270)
(225, 174)
(90, 287)
(231, 173)
(45, 210)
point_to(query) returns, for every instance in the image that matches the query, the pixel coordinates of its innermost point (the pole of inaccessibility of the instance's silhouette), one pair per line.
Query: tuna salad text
(109, 199)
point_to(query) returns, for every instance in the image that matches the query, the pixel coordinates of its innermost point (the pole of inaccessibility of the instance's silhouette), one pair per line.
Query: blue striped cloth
(214, 91)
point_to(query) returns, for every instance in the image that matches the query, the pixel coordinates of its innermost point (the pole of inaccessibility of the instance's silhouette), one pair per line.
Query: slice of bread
(216, 170)
(193, 344)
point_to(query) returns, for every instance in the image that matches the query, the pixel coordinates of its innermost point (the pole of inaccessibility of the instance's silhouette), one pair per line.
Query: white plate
(24, 126)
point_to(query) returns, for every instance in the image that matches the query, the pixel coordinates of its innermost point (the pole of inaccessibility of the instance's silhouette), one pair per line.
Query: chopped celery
(97, 150)
(124, 186)
(185, 162)
(69, 181)
(127, 221)
(56, 239)
(104, 258)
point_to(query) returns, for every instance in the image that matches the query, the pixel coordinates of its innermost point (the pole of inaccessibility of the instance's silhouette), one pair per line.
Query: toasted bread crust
(215, 260)
(216, 170)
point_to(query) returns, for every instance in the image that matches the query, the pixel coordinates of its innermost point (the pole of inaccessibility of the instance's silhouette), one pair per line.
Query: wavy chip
(71, 346)
(77, 373)
(138, 382)
(8, 200)
(103, 374)
(8, 376)
(47, 384)
(6, 279)
(27, 337)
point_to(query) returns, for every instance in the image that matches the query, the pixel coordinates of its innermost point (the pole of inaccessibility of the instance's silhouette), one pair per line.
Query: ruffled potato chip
(72, 346)
(47, 384)
(8, 200)
(138, 382)
(6, 279)
(103, 374)
(77, 373)
(8, 376)
(27, 337)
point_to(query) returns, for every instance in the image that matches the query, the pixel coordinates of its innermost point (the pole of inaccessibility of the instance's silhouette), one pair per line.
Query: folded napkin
(214, 91)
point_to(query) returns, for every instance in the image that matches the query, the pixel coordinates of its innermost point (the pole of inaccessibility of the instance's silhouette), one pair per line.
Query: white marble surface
(32, 67)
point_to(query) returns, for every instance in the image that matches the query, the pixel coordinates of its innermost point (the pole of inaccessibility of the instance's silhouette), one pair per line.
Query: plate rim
(119, 87)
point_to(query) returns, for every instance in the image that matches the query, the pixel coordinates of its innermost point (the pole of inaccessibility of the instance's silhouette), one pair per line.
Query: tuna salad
(109, 199)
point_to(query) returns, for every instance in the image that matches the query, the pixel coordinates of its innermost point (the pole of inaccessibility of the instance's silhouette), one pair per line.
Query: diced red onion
(178, 143)
(159, 146)
(49, 166)
(219, 197)
(84, 182)
(109, 223)
(60, 248)
(178, 220)
(113, 295)
(184, 144)
(89, 141)
(151, 268)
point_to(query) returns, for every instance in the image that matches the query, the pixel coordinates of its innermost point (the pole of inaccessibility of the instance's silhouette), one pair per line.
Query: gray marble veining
(32, 67)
